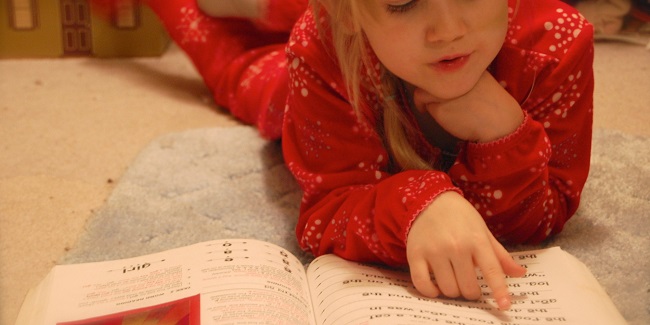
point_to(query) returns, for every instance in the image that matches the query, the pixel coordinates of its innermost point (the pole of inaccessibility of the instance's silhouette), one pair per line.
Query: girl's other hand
(449, 240)
(486, 113)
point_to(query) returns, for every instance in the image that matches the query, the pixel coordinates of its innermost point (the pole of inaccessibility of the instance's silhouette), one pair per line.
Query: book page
(250, 282)
(223, 281)
(345, 292)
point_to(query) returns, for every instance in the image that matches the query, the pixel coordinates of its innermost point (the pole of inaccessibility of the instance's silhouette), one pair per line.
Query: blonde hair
(351, 50)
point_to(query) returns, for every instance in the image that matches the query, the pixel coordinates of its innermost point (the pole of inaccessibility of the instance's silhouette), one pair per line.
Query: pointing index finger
(495, 278)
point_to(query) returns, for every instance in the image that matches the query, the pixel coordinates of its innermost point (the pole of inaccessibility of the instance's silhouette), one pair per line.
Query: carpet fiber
(229, 183)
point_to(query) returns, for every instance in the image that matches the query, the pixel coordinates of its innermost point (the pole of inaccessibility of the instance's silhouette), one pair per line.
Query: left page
(224, 281)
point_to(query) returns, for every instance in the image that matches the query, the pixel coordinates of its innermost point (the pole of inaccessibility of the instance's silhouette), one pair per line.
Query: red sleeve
(528, 184)
(351, 205)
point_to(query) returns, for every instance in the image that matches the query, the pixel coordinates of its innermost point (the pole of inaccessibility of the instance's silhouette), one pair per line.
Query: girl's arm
(528, 184)
(352, 206)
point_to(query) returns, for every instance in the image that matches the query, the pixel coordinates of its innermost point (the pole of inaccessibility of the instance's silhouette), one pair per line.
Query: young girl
(423, 132)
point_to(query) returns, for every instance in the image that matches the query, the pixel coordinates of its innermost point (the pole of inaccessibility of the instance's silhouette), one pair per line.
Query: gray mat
(229, 183)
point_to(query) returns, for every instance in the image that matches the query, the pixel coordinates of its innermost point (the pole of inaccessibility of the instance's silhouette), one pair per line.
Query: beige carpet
(70, 128)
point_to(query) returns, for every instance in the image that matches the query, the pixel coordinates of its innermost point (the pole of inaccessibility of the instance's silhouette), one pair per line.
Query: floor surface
(69, 128)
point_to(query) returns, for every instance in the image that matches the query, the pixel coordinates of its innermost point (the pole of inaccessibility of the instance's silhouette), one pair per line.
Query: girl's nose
(446, 24)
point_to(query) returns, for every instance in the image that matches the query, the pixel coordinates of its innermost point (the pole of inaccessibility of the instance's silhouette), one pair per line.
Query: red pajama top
(525, 185)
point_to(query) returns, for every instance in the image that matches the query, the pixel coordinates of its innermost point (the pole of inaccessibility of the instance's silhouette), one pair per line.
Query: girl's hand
(486, 113)
(449, 240)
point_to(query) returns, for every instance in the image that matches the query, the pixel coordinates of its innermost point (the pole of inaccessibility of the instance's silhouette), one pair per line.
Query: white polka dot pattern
(525, 185)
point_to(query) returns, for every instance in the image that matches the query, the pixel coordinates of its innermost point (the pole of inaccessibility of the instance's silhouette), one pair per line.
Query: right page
(557, 289)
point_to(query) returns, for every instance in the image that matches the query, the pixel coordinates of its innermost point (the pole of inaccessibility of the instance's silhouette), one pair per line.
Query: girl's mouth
(451, 63)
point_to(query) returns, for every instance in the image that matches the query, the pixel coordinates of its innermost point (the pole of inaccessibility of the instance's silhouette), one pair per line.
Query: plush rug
(229, 183)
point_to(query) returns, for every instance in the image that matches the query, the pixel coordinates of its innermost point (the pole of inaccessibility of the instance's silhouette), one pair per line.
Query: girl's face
(440, 46)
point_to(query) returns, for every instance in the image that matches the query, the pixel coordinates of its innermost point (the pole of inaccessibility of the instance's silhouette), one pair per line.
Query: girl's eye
(401, 8)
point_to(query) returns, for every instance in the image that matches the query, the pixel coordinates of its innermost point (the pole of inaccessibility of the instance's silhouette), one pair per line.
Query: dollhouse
(62, 28)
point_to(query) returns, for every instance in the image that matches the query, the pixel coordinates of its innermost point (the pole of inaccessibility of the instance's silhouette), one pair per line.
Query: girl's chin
(446, 94)
(445, 91)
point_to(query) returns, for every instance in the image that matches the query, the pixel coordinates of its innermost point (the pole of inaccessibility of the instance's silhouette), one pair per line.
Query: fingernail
(503, 303)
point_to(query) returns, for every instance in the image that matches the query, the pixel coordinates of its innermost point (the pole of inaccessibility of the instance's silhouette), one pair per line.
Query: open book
(246, 281)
